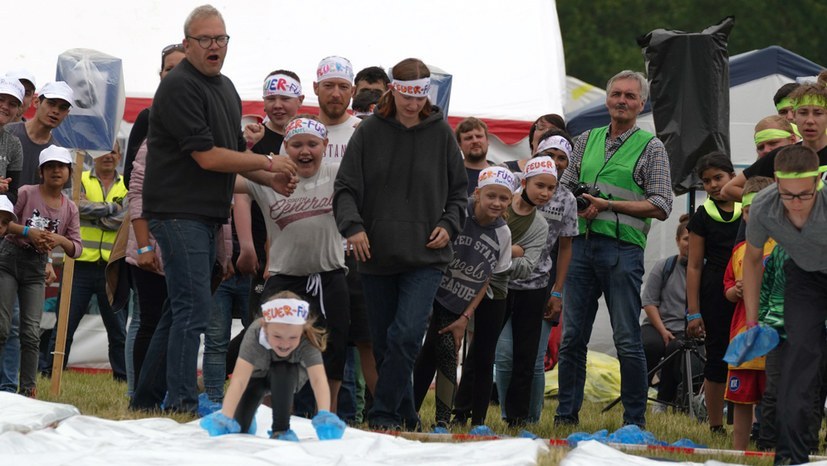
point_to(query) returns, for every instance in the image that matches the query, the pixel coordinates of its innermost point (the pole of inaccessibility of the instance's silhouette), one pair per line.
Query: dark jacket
(397, 184)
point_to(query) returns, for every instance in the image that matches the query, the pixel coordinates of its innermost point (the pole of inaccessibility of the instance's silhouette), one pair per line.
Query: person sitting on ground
(280, 353)
(663, 328)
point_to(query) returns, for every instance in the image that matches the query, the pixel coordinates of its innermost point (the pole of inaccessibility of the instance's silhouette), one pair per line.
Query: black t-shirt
(190, 112)
(719, 237)
(271, 142)
(474, 177)
(136, 138)
(765, 166)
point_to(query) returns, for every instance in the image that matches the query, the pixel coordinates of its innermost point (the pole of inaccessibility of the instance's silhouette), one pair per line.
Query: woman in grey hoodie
(400, 199)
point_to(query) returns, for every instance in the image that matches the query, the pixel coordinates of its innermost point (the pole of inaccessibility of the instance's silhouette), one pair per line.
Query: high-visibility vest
(97, 243)
(615, 178)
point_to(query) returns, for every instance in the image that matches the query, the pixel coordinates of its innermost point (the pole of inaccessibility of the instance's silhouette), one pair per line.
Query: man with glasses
(794, 214)
(195, 148)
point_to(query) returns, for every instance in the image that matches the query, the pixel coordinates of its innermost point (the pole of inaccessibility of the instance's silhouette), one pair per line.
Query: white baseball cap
(13, 88)
(55, 153)
(58, 90)
(22, 74)
(6, 206)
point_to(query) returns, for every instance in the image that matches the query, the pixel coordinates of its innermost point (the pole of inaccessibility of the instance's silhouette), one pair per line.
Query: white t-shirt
(301, 228)
(338, 137)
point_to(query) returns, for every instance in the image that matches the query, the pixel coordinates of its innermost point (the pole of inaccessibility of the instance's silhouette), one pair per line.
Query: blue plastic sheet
(755, 342)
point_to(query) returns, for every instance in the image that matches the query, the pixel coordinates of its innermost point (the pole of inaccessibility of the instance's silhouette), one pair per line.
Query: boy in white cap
(26, 78)
(52, 104)
(47, 219)
(280, 353)
(11, 152)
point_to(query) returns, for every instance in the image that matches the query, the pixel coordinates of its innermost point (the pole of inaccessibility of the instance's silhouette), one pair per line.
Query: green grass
(98, 395)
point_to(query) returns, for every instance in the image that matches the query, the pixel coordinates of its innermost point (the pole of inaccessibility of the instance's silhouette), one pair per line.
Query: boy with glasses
(794, 213)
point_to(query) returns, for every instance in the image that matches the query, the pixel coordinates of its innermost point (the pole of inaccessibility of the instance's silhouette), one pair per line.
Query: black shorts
(359, 330)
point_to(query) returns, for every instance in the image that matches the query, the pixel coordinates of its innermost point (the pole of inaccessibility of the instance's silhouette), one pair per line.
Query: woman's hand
(457, 330)
(360, 246)
(149, 261)
(439, 239)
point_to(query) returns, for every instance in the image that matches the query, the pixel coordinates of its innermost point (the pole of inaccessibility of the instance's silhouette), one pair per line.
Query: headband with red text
(415, 88)
(285, 311)
(281, 84)
(305, 126)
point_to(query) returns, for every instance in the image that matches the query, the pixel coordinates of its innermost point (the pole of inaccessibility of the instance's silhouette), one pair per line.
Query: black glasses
(800, 196)
(206, 42)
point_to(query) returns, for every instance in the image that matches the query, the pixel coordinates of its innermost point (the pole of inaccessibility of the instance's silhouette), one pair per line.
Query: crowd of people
(360, 250)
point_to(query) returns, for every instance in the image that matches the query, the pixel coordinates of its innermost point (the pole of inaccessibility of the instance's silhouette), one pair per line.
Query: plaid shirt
(651, 171)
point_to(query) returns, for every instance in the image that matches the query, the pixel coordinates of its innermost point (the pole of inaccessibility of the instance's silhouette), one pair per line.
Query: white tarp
(27, 439)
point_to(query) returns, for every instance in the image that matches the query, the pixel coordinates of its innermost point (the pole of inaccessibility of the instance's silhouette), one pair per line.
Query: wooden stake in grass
(66, 288)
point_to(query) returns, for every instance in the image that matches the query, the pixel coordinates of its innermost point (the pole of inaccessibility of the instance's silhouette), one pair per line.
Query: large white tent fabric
(506, 58)
(42, 433)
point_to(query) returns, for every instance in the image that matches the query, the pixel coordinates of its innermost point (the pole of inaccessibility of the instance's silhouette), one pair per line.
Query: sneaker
(657, 408)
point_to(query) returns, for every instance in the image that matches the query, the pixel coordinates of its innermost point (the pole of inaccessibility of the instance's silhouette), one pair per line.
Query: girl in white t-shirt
(280, 353)
(306, 254)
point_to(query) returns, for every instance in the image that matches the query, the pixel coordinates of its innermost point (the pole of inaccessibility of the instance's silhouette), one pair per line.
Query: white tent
(506, 58)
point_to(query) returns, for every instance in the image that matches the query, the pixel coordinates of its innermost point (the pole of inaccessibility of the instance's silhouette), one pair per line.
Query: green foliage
(599, 36)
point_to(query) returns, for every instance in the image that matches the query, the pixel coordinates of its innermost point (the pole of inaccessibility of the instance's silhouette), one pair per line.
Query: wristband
(556, 294)
(25, 232)
(145, 249)
(270, 167)
(465, 314)
(691, 317)
(610, 208)
(50, 260)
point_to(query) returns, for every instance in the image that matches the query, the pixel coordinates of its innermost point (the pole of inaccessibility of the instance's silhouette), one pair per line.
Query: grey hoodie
(397, 184)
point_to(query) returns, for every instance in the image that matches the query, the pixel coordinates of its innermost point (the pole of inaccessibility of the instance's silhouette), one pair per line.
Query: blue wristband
(145, 249)
(691, 317)
(25, 232)
(556, 294)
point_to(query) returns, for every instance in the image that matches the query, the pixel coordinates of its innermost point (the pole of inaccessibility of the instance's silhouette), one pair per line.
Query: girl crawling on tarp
(279, 353)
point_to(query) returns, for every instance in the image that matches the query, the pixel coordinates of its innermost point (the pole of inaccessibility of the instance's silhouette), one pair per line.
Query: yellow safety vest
(97, 243)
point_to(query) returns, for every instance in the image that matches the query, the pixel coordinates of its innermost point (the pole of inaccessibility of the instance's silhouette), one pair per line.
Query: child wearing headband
(306, 254)
(280, 352)
(794, 214)
(481, 249)
(712, 232)
(745, 383)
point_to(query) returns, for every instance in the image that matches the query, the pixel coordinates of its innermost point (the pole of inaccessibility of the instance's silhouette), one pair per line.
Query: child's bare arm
(241, 376)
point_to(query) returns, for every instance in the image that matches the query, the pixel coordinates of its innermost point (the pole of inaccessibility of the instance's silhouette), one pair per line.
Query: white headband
(285, 311)
(540, 166)
(334, 67)
(415, 88)
(497, 176)
(554, 142)
(281, 84)
(305, 126)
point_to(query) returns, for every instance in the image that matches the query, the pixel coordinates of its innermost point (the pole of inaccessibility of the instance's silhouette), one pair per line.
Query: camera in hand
(580, 190)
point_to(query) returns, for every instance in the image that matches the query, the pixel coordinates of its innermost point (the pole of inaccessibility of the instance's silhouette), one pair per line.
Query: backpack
(669, 267)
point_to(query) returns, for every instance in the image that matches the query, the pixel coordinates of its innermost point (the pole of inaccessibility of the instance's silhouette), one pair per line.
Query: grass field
(98, 395)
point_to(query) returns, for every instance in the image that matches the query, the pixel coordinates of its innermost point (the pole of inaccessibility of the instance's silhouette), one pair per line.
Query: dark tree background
(599, 36)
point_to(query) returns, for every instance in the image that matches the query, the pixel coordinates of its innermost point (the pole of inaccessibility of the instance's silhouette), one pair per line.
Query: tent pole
(66, 288)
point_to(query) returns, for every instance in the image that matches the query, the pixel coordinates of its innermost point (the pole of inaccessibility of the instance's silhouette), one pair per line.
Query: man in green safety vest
(621, 177)
(101, 214)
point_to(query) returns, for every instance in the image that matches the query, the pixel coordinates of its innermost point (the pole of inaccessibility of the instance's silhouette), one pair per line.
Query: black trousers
(281, 382)
(655, 350)
(805, 310)
(152, 293)
(526, 308)
(474, 392)
(437, 356)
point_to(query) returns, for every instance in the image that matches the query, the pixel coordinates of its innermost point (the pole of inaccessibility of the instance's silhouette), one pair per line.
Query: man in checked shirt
(631, 169)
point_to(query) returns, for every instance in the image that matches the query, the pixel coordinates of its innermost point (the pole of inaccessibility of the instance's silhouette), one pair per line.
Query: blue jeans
(88, 281)
(602, 265)
(131, 332)
(21, 275)
(171, 362)
(399, 306)
(9, 375)
(233, 293)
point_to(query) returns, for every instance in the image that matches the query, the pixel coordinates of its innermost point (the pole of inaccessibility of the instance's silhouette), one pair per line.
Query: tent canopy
(507, 63)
